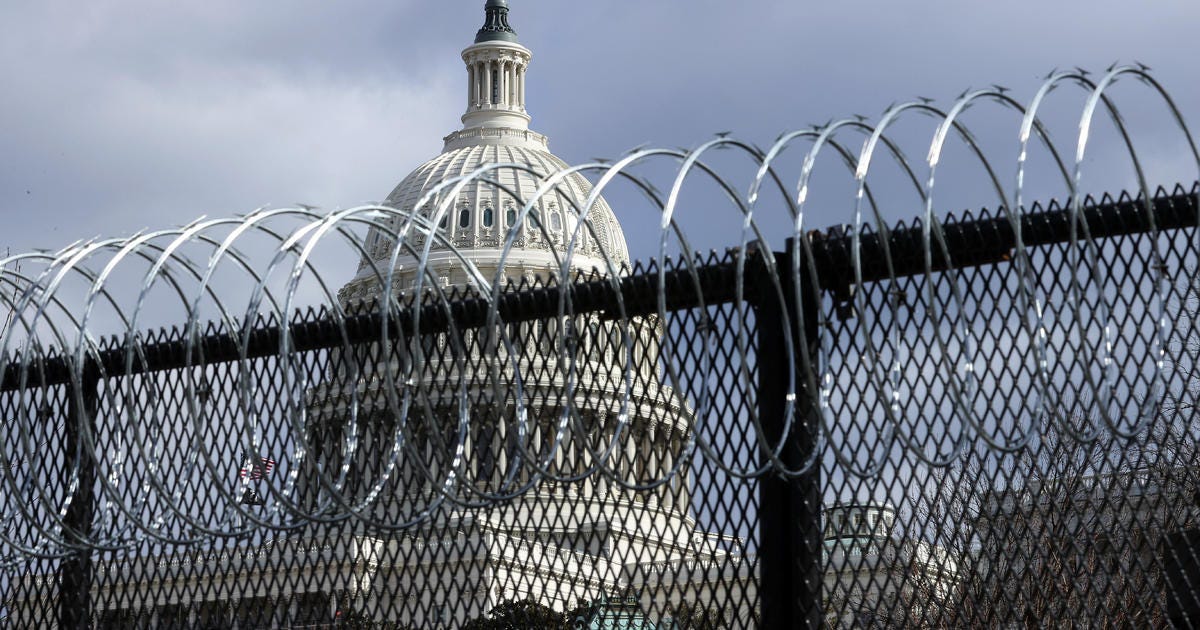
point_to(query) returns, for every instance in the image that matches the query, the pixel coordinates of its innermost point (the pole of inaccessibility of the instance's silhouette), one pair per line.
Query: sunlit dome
(496, 131)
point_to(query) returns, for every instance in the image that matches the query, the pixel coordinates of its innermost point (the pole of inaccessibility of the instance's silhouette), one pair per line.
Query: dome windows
(483, 215)
(428, 212)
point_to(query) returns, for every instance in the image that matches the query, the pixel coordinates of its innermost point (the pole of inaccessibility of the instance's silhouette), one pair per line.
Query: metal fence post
(789, 510)
(75, 570)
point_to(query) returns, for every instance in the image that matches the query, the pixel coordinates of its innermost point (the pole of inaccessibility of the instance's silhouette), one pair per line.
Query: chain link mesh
(984, 421)
(626, 483)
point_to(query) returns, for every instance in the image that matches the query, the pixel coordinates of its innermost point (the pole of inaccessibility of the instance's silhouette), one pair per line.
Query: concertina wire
(49, 320)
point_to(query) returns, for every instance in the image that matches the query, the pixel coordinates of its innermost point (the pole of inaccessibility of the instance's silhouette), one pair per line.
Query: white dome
(480, 219)
(471, 227)
(477, 225)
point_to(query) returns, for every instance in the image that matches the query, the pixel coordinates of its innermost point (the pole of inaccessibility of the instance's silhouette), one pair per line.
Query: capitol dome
(609, 495)
(496, 131)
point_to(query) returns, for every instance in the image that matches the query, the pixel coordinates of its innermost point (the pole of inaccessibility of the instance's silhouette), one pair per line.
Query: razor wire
(53, 298)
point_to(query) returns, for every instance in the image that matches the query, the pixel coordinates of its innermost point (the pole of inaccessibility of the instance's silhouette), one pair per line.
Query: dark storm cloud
(122, 115)
(126, 115)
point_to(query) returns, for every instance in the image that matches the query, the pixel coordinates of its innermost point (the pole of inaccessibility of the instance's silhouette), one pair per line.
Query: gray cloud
(122, 115)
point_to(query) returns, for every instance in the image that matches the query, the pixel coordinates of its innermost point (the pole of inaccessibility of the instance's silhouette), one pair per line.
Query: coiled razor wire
(145, 496)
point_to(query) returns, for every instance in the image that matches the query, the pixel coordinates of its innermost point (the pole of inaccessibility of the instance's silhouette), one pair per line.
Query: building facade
(877, 578)
(581, 533)
(1115, 548)
(590, 523)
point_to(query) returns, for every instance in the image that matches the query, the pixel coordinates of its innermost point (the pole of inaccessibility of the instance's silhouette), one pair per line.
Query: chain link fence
(986, 421)
(616, 464)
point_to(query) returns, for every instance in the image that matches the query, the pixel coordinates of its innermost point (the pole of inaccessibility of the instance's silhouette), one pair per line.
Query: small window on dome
(510, 216)
(489, 217)
(444, 222)
(464, 218)
(555, 221)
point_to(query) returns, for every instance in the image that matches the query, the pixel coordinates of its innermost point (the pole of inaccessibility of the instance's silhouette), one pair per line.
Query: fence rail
(971, 242)
(979, 421)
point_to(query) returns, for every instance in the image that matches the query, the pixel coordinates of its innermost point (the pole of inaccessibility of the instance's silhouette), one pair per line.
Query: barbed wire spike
(234, 285)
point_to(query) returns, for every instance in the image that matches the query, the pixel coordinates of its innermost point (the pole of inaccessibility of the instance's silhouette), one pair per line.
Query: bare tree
(1063, 531)
(1069, 531)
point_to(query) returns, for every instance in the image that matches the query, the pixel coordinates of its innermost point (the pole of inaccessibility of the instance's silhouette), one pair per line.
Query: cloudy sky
(117, 115)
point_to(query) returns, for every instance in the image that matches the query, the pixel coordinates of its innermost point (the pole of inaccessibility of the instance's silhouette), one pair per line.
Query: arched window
(510, 216)
(575, 338)
(595, 337)
(444, 222)
(464, 217)
(489, 217)
(556, 221)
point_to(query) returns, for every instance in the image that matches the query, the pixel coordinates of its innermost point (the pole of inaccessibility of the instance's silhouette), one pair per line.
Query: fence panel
(985, 421)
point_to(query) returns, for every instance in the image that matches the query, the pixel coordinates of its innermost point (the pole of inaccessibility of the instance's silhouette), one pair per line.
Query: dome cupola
(496, 65)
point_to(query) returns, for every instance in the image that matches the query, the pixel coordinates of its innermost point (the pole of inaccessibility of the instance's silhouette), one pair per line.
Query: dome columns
(496, 85)
(496, 65)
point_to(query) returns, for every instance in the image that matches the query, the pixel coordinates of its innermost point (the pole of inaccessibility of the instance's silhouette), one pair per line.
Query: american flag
(259, 470)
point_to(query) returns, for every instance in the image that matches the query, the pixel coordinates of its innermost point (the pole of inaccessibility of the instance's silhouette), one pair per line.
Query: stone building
(1115, 548)
(558, 542)
(876, 577)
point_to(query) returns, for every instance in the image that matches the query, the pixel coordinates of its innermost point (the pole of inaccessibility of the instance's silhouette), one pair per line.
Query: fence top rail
(970, 241)
(991, 237)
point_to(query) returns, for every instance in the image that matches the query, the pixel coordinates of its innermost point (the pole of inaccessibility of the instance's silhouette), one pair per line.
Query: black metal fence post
(789, 510)
(75, 570)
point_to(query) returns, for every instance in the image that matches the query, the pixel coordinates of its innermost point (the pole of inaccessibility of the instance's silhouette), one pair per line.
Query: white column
(518, 73)
(480, 72)
(631, 470)
(668, 461)
(487, 82)
(504, 83)
(508, 84)
(470, 86)
(502, 76)
(521, 87)
(475, 85)
(648, 445)
(474, 68)
(512, 84)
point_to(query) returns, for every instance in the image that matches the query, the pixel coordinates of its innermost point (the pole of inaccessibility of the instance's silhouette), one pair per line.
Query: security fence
(977, 422)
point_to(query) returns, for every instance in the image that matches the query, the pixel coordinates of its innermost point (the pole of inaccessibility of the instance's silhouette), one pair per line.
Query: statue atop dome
(495, 25)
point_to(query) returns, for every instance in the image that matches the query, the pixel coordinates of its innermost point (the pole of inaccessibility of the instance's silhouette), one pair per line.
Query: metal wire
(57, 299)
